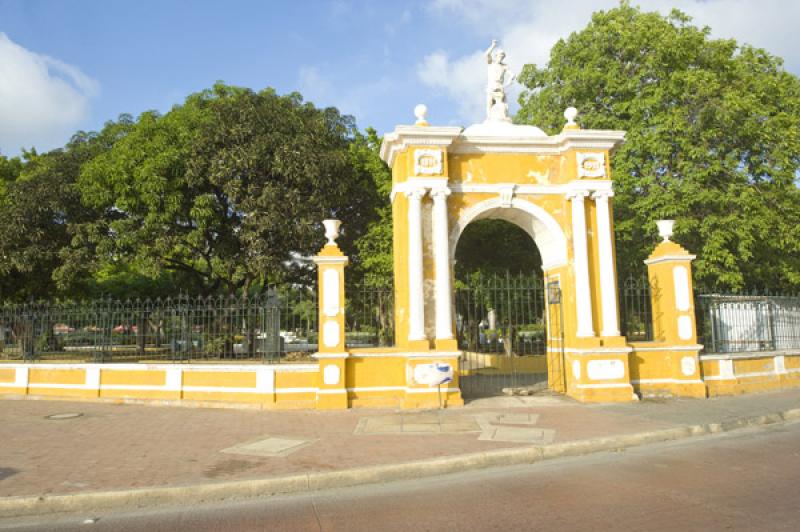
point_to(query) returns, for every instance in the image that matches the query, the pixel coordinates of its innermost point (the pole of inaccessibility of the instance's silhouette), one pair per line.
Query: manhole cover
(68, 415)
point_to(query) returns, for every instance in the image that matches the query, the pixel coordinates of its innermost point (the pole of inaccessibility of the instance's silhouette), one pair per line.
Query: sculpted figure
(499, 77)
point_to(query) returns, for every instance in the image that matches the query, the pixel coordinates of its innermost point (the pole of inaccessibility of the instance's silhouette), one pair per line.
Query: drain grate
(67, 415)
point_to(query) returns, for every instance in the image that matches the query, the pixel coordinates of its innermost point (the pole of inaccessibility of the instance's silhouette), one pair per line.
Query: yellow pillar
(331, 385)
(674, 330)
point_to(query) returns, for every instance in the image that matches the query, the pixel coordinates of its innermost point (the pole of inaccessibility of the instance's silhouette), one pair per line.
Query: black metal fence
(636, 314)
(279, 326)
(726, 322)
(501, 323)
(172, 329)
(369, 318)
(496, 314)
(729, 323)
(501, 313)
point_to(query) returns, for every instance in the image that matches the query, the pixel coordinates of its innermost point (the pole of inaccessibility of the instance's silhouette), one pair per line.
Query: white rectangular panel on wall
(331, 294)
(599, 370)
(680, 277)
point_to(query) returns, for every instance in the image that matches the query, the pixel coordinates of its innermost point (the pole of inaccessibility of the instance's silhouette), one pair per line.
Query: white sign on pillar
(583, 294)
(416, 294)
(608, 281)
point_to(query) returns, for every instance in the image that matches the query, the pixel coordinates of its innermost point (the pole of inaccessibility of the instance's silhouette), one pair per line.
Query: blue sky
(66, 66)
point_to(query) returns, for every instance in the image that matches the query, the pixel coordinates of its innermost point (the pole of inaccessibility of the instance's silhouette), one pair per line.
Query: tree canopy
(227, 189)
(713, 140)
(38, 204)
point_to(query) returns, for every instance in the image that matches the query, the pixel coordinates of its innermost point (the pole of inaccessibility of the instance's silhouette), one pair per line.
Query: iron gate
(501, 321)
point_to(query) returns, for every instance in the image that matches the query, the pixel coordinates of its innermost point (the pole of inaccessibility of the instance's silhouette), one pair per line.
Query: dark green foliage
(496, 247)
(713, 140)
(227, 190)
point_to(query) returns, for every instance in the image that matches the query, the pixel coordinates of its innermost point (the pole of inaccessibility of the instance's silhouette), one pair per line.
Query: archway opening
(500, 309)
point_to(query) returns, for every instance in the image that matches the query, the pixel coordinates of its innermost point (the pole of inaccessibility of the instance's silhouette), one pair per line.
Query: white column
(608, 281)
(441, 254)
(583, 294)
(416, 294)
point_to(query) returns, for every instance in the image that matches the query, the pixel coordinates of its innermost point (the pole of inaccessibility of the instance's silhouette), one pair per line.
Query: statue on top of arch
(499, 77)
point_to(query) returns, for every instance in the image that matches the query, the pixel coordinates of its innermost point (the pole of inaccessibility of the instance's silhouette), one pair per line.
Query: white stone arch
(534, 220)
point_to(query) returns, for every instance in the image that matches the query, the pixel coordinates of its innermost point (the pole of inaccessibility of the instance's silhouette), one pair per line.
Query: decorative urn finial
(570, 113)
(421, 112)
(331, 231)
(665, 229)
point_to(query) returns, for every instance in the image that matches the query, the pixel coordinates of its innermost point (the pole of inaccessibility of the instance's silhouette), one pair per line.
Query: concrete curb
(244, 489)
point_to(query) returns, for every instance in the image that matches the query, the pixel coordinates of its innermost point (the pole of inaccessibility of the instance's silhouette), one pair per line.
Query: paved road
(746, 480)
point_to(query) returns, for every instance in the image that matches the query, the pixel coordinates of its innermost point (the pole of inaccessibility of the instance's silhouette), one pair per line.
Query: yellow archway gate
(559, 190)
(556, 188)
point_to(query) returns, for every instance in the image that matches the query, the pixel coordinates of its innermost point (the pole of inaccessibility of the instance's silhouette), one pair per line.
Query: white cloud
(312, 85)
(528, 29)
(463, 79)
(42, 100)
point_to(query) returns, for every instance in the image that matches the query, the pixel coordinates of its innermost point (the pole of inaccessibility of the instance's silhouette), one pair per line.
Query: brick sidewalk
(132, 446)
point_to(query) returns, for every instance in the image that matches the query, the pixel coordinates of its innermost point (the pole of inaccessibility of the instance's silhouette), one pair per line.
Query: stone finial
(331, 231)
(570, 113)
(665, 229)
(421, 111)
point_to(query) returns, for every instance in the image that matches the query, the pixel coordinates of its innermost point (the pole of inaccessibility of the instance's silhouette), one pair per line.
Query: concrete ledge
(200, 493)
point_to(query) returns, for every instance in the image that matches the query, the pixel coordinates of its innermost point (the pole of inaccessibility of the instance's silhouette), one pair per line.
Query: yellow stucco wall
(745, 373)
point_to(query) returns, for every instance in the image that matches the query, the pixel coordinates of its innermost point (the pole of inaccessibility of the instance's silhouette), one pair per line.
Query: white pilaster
(416, 294)
(583, 294)
(441, 252)
(608, 282)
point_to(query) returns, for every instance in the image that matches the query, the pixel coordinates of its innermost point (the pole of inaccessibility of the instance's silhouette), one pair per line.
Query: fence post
(669, 270)
(331, 389)
(676, 360)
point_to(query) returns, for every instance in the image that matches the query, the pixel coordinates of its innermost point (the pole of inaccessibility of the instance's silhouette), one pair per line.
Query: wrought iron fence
(501, 313)
(636, 315)
(501, 324)
(734, 323)
(369, 318)
(279, 326)
(172, 329)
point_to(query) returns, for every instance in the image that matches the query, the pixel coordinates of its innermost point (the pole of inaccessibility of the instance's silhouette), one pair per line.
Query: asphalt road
(745, 480)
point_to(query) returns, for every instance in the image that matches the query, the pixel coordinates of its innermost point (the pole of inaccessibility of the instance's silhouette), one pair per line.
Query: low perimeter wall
(283, 386)
(374, 378)
(735, 373)
(680, 370)
(371, 379)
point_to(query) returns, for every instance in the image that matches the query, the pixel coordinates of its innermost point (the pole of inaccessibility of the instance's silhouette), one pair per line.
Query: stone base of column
(332, 401)
(666, 370)
(446, 344)
(599, 375)
(613, 341)
(419, 345)
(606, 394)
(331, 385)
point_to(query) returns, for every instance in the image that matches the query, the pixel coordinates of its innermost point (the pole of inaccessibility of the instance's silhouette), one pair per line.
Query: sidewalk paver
(117, 447)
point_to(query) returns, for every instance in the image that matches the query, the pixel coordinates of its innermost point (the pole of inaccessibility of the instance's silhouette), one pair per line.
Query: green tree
(495, 247)
(374, 247)
(227, 189)
(713, 140)
(9, 171)
(39, 204)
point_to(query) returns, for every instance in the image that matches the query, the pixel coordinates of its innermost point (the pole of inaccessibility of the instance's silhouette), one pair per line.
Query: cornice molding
(580, 139)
